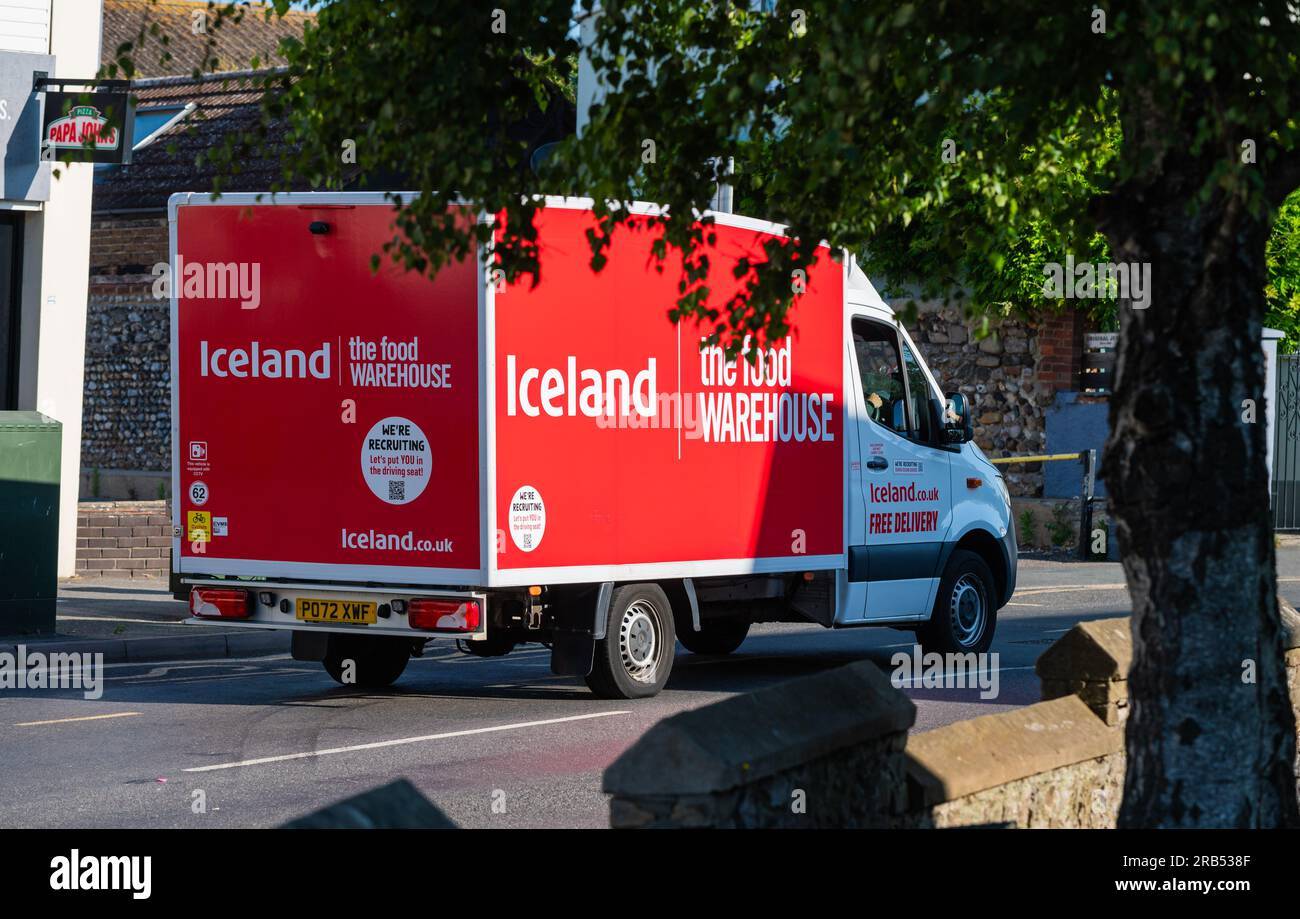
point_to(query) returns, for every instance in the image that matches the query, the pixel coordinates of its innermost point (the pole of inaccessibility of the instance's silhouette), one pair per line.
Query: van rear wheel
(964, 614)
(366, 661)
(492, 646)
(634, 658)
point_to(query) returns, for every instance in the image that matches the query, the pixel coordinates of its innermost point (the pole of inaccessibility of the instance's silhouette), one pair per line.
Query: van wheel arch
(989, 548)
(681, 603)
(964, 617)
(635, 657)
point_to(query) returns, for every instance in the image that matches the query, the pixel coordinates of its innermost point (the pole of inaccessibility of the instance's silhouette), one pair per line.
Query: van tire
(719, 636)
(635, 657)
(965, 615)
(492, 646)
(378, 659)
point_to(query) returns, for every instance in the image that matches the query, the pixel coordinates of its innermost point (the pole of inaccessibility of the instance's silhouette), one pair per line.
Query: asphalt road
(497, 742)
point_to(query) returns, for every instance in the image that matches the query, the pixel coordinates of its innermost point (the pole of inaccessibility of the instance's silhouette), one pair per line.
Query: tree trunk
(1210, 736)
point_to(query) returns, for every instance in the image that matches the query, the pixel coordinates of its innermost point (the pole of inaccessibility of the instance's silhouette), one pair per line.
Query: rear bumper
(291, 626)
(280, 613)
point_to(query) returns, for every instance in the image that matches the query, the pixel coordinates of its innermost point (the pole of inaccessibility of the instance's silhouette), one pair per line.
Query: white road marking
(200, 662)
(116, 619)
(912, 679)
(162, 670)
(32, 724)
(1067, 588)
(219, 677)
(380, 744)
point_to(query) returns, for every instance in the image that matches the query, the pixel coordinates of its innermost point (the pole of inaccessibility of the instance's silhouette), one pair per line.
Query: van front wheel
(964, 615)
(634, 658)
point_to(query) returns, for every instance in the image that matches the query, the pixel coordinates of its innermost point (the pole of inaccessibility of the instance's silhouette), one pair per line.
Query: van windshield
(918, 392)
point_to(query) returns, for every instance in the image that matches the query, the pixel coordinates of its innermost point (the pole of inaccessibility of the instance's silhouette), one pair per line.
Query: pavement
(499, 742)
(138, 620)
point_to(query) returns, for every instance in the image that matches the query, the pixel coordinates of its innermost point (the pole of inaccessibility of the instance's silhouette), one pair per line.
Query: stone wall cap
(747, 738)
(962, 758)
(1098, 650)
(105, 507)
(1290, 624)
(395, 806)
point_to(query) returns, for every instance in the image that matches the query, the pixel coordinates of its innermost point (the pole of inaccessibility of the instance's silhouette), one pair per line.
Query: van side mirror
(957, 422)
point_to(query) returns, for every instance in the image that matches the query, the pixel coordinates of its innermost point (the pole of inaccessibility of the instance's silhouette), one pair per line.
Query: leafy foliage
(837, 114)
(918, 258)
(1283, 287)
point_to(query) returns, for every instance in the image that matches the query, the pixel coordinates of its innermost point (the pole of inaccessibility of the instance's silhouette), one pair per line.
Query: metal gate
(1286, 445)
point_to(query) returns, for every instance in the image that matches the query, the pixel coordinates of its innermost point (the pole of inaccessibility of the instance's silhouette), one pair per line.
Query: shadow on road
(764, 660)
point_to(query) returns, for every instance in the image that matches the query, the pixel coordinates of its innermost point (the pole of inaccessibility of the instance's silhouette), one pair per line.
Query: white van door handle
(877, 462)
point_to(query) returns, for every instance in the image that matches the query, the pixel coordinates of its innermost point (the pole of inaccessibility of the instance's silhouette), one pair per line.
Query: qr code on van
(526, 540)
(397, 489)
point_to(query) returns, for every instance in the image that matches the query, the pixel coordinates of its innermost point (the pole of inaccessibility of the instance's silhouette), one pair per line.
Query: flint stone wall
(126, 416)
(1010, 377)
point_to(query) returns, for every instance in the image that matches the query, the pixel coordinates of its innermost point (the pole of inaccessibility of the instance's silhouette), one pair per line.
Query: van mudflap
(572, 653)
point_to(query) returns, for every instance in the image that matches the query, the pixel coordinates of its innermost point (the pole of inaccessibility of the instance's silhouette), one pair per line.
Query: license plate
(351, 612)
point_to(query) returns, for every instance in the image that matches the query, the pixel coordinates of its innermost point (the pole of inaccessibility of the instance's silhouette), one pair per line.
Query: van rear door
(326, 417)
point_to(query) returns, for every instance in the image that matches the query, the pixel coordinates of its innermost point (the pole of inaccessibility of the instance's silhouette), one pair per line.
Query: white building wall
(56, 270)
(25, 25)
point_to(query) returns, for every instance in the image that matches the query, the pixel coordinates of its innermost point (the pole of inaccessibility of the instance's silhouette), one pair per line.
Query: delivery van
(372, 459)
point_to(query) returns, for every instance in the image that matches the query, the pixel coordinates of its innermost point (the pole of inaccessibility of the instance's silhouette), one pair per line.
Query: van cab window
(880, 370)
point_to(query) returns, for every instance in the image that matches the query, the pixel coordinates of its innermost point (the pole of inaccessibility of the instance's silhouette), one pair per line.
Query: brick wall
(126, 418)
(1060, 349)
(124, 539)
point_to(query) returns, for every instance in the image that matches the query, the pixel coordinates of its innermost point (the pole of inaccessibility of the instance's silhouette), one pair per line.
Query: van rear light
(449, 615)
(220, 603)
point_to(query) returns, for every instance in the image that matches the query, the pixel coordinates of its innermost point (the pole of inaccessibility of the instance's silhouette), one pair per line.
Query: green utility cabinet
(30, 457)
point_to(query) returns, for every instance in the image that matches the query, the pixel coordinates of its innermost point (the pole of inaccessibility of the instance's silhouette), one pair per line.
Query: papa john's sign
(87, 127)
